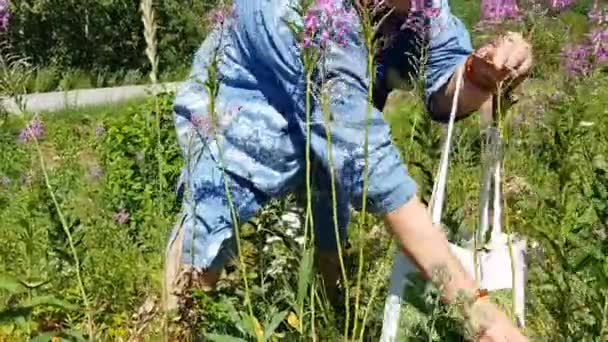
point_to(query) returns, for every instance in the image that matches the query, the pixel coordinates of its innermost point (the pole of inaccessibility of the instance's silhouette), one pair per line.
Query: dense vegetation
(87, 201)
(73, 44)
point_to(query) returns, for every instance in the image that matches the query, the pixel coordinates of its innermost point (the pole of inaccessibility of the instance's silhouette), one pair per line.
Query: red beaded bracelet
(480, 294)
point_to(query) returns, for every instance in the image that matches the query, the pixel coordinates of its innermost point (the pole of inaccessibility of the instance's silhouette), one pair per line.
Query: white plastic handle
(402, 265)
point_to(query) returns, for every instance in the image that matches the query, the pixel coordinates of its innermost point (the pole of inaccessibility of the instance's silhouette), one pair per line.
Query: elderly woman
(256, 148)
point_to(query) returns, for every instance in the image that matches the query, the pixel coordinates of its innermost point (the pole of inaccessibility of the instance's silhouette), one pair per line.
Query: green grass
(75, 116)
(47, 79)
(556, 180)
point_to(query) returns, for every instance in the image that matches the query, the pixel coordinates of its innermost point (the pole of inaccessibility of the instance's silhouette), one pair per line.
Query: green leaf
(68, 335)
(304, 274)
(10, 284)
(22, 323)
(589, 216)
(52, 301)
(224, 338)
(599, 163)
(75, 334)
(45, 337)
(583, 262)
(274, 324)
(248, 325)
(34, 284)
(15, 314)
(238, 320)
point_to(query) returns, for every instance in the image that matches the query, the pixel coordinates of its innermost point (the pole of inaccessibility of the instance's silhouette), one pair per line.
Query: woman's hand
(492, 325)
(506, 60)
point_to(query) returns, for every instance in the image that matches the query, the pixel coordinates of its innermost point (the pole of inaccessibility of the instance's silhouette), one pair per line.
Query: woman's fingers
(507, 59)
(525, 66)
(514, 57)
(513, 52)
(520, 59)
(503, 51)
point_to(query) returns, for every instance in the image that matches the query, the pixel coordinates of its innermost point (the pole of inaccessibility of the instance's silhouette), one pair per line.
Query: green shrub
(105, 34)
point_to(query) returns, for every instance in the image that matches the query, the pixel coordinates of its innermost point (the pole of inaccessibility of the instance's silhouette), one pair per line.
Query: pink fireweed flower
(4, 15)
(219, 16)
(560, 4)
(140, 157)
(28, 177)
(100, 130)
(95, 171)
(577, 59)
(121, 217)
(598, 15)
(326, 22)
(203, 123)
(420, 12)
(498, 10)
(34, 129)
(423, 6)
(599, 44)
(601, 55)
(5, 181)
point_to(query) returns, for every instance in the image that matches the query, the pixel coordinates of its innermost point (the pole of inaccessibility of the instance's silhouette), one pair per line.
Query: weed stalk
(67, 232)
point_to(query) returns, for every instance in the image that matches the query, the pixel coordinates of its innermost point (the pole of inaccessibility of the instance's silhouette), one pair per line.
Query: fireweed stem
(504, 137)
(368, 36)
(213, 89)
(309, 221)
(64, 225)
(339, 246)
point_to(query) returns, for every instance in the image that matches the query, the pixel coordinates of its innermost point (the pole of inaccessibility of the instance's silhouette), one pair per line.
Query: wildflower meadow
(88, 195)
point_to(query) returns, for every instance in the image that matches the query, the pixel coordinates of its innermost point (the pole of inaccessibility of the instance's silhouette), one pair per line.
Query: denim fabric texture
(254, 144)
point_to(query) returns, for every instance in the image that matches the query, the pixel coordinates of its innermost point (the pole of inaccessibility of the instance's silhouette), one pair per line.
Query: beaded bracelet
(480, 294)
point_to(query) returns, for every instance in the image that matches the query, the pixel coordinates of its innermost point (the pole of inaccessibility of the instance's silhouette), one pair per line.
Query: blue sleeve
(449, 47)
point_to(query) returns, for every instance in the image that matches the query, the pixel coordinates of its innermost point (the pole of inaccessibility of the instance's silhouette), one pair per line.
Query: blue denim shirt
(262, 71)
(258, 131)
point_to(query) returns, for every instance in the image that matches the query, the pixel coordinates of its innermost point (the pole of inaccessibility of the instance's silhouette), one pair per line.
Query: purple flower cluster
(219, 16)
(4, 15)
(203, 123)
(5, 181)
(100, 130)
(499, 10)
(599, 44)
(95, 171)
(122, 217)
(28, 177)
(140, 157)
(560, 4)
(420, 11)
(422, 6)
(582, 58)
(326, 22)
(598, 15)
(34, 129)
(577, 59)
